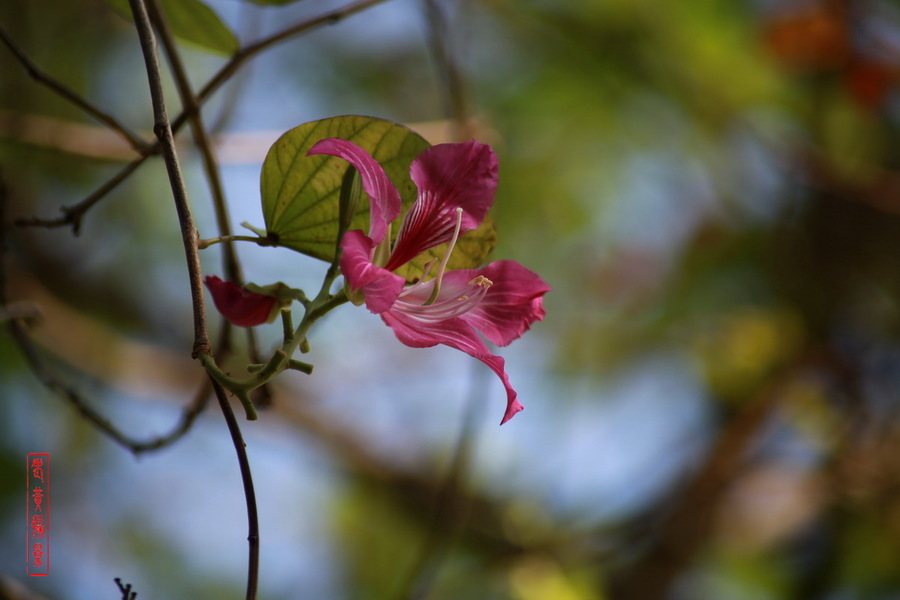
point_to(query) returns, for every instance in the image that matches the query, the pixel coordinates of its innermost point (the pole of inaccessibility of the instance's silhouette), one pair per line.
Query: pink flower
(456, 184)
(239, 305)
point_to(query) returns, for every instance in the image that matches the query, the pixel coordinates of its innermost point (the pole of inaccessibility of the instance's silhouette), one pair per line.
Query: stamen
(446, 259)
(460, 302)
(423, 280)
(482, 281)
(382, 251)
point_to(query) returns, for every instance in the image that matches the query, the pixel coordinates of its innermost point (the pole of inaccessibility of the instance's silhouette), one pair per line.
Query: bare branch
(43, 373)
(52, 382)
(455, 93)
(134, 140)
(191, 107)
(249, 494)
(74, 214)
(127, 594)
(163, 129)
(251, 50)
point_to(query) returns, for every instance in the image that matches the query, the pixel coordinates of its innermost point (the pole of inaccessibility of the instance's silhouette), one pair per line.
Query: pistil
(443, 266)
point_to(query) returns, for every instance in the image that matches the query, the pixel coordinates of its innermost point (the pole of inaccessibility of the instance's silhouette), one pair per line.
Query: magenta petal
(456, 334)
(240, 306)
(511, 304)
(379, 286)
(384, 199)
(449, 176)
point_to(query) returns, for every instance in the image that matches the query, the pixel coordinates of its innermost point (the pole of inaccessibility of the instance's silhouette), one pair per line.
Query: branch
(456, 97)
(43, 373)
(329, 18)
(230, 263)
(53, 383)
(201, 137)
(74, 213)
(125, 590)
(249, 494)
(134, 140)
(690, 521)
(249, 51)
(163, 129)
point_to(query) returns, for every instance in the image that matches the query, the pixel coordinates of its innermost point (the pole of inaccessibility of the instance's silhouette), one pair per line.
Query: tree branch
(455, 93)
(230, 263)
(42, 372)
(191, 108)
(163, 129)
(74, 213)
(249, 494)
(134, 140)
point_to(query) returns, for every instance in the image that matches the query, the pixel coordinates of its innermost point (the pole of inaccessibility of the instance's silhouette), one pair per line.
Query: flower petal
(240, 306)
(449, 176)
(379, 286)
(456, 334)
(511, 304)
(384, 199)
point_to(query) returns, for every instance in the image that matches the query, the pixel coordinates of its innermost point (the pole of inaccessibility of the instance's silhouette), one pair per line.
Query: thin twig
(134, 140)
(251, 50)
(248, 26)
(51, 381)
(230, 264)
(75, 212)
(249, 494)
(163, 129)
(456, 97)
(127, 594)
(42, 372)
(72, 215)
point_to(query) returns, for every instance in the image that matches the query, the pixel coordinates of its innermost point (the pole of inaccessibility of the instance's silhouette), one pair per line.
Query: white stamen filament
(446, 259)
(448, 307)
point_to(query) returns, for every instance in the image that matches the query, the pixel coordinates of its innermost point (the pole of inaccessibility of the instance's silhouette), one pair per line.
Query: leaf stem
(259, 241)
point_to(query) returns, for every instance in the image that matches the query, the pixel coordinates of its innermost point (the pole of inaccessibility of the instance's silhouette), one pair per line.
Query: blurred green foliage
(715, 181)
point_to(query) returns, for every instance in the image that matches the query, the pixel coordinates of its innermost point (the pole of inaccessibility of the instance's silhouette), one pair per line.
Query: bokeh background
(710, 188)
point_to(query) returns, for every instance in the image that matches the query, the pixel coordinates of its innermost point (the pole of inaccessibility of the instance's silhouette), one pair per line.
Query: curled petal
(455, 333)
(241, 307)
(511, 304)
(379, 287)
(449, 176)
(384, 199)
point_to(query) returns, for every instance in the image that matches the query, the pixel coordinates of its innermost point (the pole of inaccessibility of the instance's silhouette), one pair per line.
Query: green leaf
(300, 194)
(192, 22)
